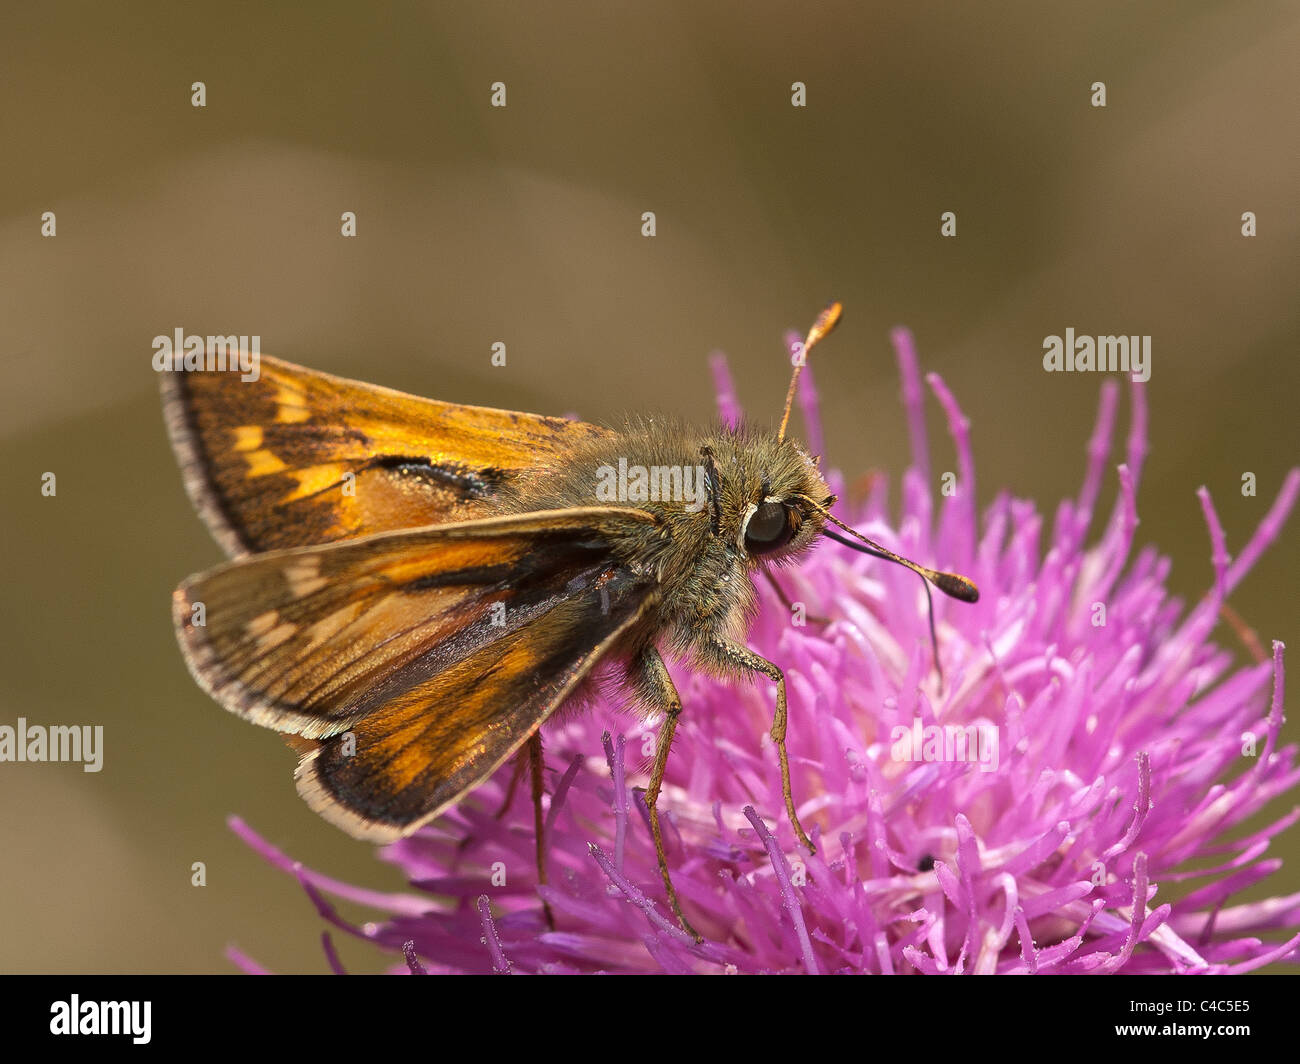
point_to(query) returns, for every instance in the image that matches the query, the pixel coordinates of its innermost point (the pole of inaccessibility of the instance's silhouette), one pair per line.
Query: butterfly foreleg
(727, 655)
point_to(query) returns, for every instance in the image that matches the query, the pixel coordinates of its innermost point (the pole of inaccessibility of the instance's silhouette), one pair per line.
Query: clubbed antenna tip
(825, 322)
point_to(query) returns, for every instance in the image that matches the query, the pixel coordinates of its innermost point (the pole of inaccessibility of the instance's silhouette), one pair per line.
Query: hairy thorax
(701, 486)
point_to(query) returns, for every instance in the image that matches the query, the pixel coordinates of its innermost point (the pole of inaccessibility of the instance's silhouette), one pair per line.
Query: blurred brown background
(523, 225)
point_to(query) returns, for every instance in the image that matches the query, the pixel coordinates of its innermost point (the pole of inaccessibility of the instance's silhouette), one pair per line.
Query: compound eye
(770, 527)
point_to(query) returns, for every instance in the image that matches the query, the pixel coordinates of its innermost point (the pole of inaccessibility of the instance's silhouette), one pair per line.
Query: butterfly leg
(785, 599)
(509, 799)
(656, 688)
(539, 821)
(1248, 636)
(732, 655)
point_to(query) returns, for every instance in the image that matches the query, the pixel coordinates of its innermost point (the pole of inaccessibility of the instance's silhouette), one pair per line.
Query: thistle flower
(1061, 802)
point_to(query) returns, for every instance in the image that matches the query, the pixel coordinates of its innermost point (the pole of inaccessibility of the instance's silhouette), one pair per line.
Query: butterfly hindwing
(418, 660)
(299, 457)
(420, 752)
(310, 640)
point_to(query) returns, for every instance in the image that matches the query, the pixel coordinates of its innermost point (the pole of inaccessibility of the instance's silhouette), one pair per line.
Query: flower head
(1060, 801)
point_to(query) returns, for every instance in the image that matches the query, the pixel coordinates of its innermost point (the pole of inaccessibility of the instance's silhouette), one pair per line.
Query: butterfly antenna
(953, 585)
(825, 322)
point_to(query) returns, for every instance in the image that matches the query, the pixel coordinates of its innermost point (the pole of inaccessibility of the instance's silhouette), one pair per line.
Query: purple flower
(1063, 802)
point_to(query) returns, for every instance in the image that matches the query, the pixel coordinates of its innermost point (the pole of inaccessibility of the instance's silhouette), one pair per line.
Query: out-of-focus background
(524, 225)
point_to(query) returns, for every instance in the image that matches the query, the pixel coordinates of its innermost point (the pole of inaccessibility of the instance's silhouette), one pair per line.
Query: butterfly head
(766, 498)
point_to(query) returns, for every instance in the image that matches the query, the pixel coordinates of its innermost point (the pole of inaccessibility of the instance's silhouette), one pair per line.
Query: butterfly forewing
(299, 457)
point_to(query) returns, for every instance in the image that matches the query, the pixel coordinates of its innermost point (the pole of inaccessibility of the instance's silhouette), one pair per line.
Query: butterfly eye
(770, 527)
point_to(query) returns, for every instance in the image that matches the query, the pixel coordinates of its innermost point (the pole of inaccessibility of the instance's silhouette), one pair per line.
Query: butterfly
(416, 586)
